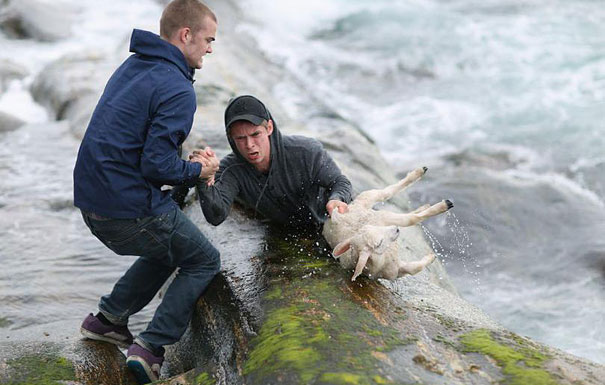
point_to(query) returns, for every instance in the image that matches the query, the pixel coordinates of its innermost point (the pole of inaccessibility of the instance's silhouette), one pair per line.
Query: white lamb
(364, 238)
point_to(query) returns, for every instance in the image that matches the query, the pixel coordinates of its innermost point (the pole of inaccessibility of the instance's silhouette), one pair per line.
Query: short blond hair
(184, 13)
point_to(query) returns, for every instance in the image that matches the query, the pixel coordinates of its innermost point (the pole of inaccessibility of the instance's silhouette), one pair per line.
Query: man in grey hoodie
(289, 180)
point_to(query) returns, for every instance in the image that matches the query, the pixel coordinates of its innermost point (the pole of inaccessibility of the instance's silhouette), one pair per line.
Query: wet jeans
(162, 243)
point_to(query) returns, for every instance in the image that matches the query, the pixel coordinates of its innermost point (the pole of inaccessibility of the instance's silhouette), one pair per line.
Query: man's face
(200, 43)
(253, 143)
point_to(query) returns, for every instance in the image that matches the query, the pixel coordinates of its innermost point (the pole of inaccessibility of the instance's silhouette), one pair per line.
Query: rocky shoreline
(282, 311)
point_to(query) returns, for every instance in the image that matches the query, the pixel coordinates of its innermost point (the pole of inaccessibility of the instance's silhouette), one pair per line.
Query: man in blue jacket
(129, 151)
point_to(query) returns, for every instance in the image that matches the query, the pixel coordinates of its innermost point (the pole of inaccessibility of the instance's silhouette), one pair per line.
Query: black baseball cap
(246, 108)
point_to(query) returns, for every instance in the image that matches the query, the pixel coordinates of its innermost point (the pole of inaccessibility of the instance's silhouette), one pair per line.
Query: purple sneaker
(93, 328)
(145, 366)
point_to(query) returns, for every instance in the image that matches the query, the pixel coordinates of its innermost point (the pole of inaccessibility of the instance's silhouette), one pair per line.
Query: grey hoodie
(302, 178)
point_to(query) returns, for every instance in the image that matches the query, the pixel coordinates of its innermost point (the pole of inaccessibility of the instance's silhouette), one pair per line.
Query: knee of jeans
(216, 260)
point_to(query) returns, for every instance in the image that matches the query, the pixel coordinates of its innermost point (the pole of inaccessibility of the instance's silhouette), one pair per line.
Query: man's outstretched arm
(216, 198)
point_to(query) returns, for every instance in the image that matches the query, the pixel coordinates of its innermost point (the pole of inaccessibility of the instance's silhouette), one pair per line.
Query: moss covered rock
(52, 363)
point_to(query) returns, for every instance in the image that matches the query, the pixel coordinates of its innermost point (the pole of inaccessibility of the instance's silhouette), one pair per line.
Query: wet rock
(82, 363)
(40, 20)
(295, 317)
(5, 322)
(10, 71)
(9, 122)
(71, 86)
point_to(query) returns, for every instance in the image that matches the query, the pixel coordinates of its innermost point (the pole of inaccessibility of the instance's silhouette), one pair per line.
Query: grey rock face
(40, 20)
(80, 362)
(9, 71)
(9, 122)
(71, 86)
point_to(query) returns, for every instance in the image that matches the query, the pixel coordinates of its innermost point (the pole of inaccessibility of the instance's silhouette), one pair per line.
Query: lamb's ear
(364, 255)
(341, 248)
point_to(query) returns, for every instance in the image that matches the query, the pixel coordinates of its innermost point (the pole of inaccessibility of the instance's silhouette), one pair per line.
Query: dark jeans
(162, 243)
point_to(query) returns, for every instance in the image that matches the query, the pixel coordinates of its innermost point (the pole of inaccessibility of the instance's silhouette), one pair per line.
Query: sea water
(504, 101)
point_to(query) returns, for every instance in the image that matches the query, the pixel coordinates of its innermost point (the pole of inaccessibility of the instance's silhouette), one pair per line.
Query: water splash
(460, 251)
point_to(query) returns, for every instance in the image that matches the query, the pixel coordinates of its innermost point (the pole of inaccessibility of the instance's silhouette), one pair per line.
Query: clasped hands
(207, 158)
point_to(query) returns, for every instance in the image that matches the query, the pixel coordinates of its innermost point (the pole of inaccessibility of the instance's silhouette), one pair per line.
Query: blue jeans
(162, 243)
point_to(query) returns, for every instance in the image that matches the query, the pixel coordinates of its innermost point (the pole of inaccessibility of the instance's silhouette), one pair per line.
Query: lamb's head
(370, 242)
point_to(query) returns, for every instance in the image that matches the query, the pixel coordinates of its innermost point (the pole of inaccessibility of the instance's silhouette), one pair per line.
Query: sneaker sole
(99, 337)
(140, 369)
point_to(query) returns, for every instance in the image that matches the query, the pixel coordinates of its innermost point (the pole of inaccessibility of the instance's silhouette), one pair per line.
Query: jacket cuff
(195, 170)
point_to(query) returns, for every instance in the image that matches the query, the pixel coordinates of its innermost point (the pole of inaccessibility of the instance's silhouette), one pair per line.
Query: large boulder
(71, 86)
(284, 312)
(37, 19)
(10, 71)
(9, 122)
(79, 363)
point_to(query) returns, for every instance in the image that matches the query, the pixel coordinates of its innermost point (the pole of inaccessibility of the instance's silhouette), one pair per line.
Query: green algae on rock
(204, 379)
(40, 369)
(310, 318)
(5, 322)
(521, 364)
(195, 376)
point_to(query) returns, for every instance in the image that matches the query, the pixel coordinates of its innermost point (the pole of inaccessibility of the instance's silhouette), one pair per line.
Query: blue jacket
(130, 149)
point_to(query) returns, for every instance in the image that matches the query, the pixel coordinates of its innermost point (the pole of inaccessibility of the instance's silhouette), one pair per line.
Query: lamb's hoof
(430, 258)
(425, 169)
(449, 204)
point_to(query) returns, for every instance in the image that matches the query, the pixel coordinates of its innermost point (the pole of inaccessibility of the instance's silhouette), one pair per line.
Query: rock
(291, 315)
(71, 86)
(81, 363)
(9, 122)
(41, 20)
(10, 71)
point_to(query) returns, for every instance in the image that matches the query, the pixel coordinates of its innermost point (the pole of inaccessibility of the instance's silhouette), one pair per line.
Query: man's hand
(209, 162)
(340, 205)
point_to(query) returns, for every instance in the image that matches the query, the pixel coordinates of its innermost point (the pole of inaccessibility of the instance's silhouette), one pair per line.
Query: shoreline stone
(9, 122)
(40, 20)
(51, 363)
(282, 310)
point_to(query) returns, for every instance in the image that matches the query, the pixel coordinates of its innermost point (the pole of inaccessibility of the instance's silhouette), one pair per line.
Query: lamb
(365, 239)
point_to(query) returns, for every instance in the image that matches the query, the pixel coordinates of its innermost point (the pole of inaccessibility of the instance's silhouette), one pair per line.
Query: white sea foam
(18, 101)
(558, 181)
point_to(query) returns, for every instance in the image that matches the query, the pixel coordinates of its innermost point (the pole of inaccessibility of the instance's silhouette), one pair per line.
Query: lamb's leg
(421, 208)
(387, 218)
(415, 267)
(370, 197)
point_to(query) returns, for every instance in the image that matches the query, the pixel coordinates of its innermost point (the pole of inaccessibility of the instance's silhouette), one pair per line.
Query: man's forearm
(215, 204)
(341, 189)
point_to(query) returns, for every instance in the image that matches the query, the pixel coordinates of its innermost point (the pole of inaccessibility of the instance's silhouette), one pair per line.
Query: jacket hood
(275, 139)
(149, 44)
